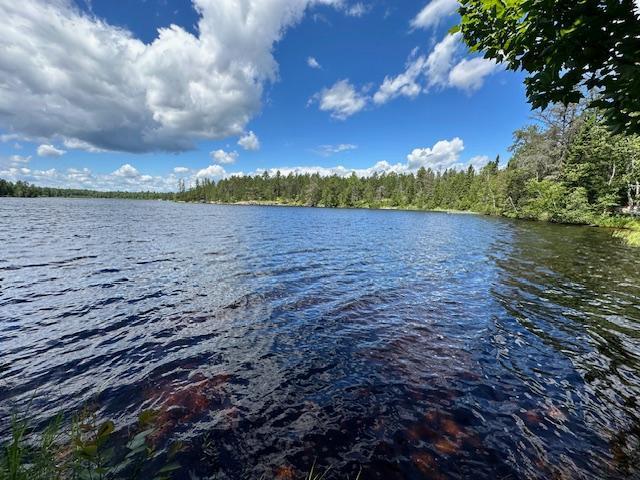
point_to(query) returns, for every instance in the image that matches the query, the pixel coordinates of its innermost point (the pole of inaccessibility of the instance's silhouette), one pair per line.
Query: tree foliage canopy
(27, 190)
(565, 167)
(567, 47)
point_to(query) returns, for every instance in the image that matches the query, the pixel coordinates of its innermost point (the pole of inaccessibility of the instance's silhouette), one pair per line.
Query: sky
(137, 94)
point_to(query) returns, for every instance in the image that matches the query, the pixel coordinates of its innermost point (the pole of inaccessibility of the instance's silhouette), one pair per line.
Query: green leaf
(88, 451)
(140, 439)
(175, 448)
(147, 417)
(172, 467)
(106, 428)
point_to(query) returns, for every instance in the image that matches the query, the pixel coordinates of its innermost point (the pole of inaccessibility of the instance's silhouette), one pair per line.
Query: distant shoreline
(266, 203)
(625, 228)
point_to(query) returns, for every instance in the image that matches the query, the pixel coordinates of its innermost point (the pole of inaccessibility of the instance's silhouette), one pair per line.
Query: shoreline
(267, 203)
(626, 228)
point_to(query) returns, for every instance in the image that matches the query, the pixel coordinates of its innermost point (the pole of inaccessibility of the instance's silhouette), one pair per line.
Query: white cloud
(478, 161)
(68, 76)
(212, 171)
(327, 150)
(444, 154)
(442, 68)
(380, 167)
(357, 9)
(125, 178)
(222, 157)
(81, 176)
(50, 151)
(405, 84)
(434, 12)
(13, 161)
(8, 137)
(342, 100)
(126, 171)
(313, 63)
(76, 144)
(441, 60)
(249, 141)
(469, 75)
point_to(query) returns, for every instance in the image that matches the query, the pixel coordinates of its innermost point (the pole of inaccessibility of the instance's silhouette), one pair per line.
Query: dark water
(413, 345)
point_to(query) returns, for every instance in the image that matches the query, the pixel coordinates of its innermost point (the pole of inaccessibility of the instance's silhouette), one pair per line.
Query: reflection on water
(415, 345)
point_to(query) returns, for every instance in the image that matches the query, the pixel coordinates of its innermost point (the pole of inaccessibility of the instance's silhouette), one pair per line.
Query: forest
(566, 166)
(24, 189)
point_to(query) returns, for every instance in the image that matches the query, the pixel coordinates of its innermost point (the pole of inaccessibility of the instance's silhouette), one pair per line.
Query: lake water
(411, 344)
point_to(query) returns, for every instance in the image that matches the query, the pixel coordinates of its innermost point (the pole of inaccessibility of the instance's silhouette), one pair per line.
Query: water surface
(413, 345)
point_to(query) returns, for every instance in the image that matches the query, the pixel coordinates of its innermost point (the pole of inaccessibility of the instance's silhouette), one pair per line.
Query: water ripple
(413, 345)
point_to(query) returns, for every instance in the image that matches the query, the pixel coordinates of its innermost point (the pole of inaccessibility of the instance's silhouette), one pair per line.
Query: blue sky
(97, 97)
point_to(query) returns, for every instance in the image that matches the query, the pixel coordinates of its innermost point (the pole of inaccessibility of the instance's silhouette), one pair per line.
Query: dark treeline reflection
(574, 300)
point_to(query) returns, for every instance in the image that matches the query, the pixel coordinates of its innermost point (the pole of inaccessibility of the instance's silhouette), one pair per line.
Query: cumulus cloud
(328, 150)
(50, 151)
(405, 84)
(444, 67)
(212, 171)
(441, 60)
(249, 141)
(469, 75)
(126, 171)
(107, 90)
(421, 72)
(222, 157)
(433, 12)
(14, 165)
(341, 100)
(18, 160)
(444, 154)
(126, 178)
(313, 63)
(478, 161)
(339, 170)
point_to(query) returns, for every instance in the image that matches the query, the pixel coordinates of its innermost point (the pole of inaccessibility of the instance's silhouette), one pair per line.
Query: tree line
(567, 166)
(24, 189)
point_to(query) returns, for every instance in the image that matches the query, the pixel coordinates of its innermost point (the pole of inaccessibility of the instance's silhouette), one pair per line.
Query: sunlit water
(413, 345)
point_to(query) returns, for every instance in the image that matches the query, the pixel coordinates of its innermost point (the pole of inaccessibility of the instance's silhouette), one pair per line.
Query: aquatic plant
(84, 448)
(625, 228)
(288, 473)
(631, 237)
